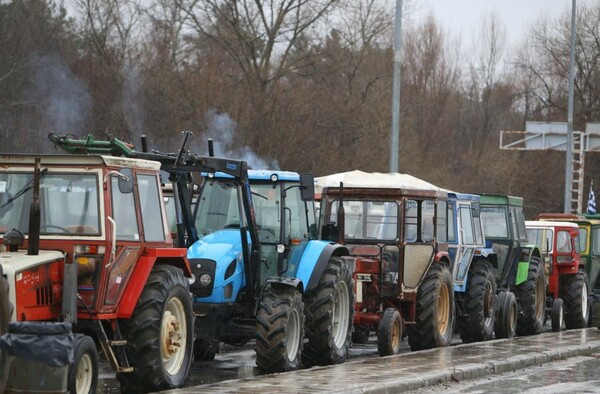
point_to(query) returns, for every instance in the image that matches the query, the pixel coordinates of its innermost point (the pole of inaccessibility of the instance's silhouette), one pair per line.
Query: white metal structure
(553, 136)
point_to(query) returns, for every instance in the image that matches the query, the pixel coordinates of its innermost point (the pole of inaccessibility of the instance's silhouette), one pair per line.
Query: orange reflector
(295, 241)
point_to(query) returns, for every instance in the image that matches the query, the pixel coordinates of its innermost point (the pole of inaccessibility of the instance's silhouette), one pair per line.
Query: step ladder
(577, 170)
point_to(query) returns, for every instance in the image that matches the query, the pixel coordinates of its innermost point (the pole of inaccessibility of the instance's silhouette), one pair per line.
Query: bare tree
(258, 35)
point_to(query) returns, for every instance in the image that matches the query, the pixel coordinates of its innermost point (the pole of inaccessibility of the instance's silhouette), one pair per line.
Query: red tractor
(395, 227)
(567, 292)
(87, 242)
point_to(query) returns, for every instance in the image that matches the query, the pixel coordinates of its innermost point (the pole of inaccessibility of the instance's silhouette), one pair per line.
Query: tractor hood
(217, 245)
(21, 268)
(219, 255)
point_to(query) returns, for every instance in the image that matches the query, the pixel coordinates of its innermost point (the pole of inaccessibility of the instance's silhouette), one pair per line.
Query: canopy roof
(361, 179)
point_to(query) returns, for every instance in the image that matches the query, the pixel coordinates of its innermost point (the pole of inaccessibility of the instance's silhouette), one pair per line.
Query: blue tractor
(261, 273)
(472, 269)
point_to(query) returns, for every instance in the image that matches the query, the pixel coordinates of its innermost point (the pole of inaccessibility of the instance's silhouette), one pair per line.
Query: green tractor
(519, 270)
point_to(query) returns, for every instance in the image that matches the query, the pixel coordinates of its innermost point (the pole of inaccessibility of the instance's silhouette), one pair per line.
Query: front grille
(44, 295)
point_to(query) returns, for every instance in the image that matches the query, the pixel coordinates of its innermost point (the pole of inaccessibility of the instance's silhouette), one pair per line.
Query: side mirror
(307, 187)
(126, 181)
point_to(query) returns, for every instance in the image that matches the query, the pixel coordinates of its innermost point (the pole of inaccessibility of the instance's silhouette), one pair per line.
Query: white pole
(569, 157)
(395, 135)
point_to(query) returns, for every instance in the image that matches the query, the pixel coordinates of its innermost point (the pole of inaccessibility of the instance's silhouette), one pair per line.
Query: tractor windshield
(368, 219)
(219, 207)
(495, 224)
(68, 203)
(542, 239)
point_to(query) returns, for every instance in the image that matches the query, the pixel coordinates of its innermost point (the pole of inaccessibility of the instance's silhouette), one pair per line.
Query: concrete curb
(416, 370)
(487, 368)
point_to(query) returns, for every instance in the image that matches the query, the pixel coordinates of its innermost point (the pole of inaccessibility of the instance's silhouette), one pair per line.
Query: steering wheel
(232, 225)
(47, 226)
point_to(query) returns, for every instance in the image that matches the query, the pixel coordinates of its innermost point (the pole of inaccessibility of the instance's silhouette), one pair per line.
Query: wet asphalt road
(574, 375)
(239, 362)
(231, 363)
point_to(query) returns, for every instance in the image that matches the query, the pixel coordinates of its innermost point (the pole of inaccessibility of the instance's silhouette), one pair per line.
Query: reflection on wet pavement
(418, 369)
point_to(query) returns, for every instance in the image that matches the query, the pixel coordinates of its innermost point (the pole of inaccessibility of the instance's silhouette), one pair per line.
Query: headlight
(205, 279)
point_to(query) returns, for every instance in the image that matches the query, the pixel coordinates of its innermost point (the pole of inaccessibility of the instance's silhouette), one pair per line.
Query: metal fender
(488, 254)
(283, 281)
(138, 278)
(137, 281)
(315, 259)
(527, 252)
(442, 257)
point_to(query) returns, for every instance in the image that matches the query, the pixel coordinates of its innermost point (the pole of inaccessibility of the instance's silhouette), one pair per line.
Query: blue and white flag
(591, 208)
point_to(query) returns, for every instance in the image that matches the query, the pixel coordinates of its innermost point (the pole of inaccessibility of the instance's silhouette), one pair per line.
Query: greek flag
(591, 208)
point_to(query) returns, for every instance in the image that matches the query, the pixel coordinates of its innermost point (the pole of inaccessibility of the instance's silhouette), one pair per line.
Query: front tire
(434, 324)
(506, 315)
(160, 333)
(389, 333)
(479, 304)
(531, 298)
(279, 330)
(329, 316)
(574, 293)
(557, 315)
(83, 373)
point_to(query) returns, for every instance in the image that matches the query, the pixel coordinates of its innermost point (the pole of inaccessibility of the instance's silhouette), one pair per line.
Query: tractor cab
(280, 225)
(466, 242)
(504, 230)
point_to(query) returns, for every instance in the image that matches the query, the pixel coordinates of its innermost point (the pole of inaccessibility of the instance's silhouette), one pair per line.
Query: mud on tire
(478, 304)
(434, 324)
(160, 333)
(329, 313)
(574, 292)
(531, 298)
(279, 329)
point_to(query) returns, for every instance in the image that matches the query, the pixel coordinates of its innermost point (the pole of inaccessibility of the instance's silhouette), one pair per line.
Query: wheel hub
(171, 335)
(443, 309)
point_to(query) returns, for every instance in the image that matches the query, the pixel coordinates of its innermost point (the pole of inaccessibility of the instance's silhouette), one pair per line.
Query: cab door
(467, 242)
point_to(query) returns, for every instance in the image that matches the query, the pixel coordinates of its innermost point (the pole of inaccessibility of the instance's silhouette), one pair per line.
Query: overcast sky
(462, 17)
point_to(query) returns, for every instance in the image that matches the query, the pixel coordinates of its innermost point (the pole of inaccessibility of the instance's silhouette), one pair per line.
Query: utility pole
(569, 156)
(395, 135)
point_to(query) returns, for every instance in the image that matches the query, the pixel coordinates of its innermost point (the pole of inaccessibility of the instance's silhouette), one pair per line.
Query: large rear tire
(279, 330)
(389, 333)
(477, 324)
(160, 333)
(506, 315)
(434, 324)
(83, 373)
(329, 316)
(574, 292)
(531, 298)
